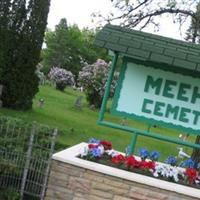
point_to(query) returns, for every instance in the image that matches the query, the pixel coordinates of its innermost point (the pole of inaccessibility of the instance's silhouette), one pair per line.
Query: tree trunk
(196, 152)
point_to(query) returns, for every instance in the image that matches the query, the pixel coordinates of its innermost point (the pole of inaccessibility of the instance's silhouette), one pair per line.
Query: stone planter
(72, 178)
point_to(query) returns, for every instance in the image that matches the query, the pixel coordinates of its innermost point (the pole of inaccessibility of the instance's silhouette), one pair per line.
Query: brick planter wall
(70, 182)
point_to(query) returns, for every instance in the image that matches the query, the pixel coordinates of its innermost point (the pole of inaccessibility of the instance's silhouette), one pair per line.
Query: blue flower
(154, 155)
(188, 163)
(93, 140)
(143, 153)
(96, 152)
(171, 160)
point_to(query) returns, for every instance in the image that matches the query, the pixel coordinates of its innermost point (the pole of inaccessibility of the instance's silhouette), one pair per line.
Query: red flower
(118, 159)
(92, 146)
(131, 162)
(147, 165)
(106, 144)
(191, 174)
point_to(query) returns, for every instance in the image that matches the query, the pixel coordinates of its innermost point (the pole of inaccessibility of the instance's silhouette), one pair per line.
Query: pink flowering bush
(61, 77)
(101, 151)
(93, 79)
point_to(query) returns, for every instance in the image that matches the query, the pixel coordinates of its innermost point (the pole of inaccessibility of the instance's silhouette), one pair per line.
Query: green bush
(9, 194)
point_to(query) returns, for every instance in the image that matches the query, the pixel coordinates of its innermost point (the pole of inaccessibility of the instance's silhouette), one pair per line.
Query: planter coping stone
(70, 156)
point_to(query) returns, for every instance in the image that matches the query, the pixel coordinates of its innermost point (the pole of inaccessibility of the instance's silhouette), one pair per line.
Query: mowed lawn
(78, 125)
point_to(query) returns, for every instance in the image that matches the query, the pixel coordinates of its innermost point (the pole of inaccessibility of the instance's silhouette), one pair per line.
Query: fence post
(28, 159)
(48, 164)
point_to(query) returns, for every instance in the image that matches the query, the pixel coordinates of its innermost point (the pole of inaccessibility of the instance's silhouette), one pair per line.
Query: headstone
(92, 107)
(78, 102)
(41, 103)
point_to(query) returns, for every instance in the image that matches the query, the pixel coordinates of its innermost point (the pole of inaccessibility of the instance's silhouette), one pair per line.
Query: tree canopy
(69, 47)
(22, 26)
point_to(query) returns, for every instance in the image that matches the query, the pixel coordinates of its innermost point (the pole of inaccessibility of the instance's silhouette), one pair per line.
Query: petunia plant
(147, 163)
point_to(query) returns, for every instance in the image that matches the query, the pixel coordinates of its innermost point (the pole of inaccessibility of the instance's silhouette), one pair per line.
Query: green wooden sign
(158, 96)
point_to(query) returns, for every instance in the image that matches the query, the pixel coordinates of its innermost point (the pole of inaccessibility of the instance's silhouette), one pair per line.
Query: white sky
(79, 12)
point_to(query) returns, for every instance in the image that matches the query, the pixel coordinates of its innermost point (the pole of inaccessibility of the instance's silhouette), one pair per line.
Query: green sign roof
(150, 47)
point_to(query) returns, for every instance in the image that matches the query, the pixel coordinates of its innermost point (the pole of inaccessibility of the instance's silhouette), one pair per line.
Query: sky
(79, 12)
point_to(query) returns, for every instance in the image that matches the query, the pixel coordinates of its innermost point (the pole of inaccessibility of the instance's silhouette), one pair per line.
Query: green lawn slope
(78, 125)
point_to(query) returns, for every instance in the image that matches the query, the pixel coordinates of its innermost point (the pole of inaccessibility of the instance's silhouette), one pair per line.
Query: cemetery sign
(159, 83)
(158, 96)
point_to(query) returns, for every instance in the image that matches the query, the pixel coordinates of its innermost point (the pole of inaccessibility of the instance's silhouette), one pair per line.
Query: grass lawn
(76, 125)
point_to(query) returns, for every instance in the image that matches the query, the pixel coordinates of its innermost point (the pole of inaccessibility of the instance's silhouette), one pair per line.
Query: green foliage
(9, 194)
(22, 29)
(63, 48)
(68, 47)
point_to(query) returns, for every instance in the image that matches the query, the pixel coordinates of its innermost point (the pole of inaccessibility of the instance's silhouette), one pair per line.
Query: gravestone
(41, 103)
(78, 102)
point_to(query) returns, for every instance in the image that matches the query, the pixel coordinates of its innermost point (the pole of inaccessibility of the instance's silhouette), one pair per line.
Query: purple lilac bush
(93, 79)
(61, 77)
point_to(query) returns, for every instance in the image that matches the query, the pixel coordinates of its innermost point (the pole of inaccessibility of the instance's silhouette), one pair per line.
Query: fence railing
(25, 156)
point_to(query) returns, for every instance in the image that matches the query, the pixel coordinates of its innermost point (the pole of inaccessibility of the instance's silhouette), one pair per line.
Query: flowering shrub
(61, 77)
(93, 79)
(101, 151)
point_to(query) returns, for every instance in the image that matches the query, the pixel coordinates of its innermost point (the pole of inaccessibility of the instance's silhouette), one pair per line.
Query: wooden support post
(133, 143)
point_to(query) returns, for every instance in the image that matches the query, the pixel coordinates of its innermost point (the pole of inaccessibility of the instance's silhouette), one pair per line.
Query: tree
(90, 52)
(141, 13)
(68, 47)
(63, 47)
(22, 30)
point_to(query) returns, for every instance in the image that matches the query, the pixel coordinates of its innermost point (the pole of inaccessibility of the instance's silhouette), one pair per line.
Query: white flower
(101, 149)
(112, 153)
(167, 171)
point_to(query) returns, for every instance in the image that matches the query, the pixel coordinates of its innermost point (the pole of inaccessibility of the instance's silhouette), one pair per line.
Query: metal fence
(25, 155)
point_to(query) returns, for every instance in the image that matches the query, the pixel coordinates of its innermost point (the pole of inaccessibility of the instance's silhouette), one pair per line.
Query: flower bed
(147, 164)
(74, 177)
